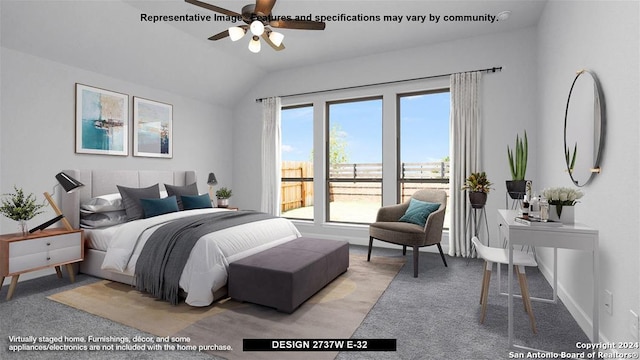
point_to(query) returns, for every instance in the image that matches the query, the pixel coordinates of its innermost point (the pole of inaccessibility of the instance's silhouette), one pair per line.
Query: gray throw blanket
(167, 250)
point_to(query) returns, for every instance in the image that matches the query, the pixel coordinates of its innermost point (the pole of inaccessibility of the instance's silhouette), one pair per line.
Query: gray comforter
(165, 253)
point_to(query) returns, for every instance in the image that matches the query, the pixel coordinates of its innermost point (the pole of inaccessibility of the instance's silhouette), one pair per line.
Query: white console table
(577, 236)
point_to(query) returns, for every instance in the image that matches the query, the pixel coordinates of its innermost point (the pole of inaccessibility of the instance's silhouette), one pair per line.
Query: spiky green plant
(567, 155)
(518, 161)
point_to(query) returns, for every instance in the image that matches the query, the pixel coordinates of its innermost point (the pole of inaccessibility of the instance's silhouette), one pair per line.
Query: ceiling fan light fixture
(503, 15)
(276, 38)
(254, 44)
(236, 33)
(257, 28)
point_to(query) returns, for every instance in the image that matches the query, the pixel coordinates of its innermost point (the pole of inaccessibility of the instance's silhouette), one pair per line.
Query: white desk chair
(501, 256)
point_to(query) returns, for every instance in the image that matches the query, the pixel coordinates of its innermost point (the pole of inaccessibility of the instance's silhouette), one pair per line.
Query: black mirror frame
(599, 111)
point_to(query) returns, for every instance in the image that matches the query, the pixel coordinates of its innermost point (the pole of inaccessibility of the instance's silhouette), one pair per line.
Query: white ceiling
(108, 37)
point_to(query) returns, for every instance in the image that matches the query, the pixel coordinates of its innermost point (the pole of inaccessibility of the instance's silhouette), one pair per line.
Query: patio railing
(297, 184)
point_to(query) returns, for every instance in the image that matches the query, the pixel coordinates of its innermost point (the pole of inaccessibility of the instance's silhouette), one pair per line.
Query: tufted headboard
(102, 182)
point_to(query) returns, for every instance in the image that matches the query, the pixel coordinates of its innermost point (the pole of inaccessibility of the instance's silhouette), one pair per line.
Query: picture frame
(102, 121)
(153, 128)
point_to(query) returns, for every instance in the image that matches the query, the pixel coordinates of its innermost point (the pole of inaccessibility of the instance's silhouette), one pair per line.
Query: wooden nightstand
(40, 250)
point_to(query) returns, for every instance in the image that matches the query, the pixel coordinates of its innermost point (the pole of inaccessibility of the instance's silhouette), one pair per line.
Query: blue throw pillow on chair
(418, 211)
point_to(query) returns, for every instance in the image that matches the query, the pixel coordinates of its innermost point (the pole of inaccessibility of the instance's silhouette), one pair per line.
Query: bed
(111, 252)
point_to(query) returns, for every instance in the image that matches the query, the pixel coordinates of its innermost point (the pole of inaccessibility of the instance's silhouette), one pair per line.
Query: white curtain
(271, 155)
(465, 157)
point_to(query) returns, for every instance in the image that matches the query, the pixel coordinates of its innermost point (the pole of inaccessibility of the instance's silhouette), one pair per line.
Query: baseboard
(582, 317)
(360, 236)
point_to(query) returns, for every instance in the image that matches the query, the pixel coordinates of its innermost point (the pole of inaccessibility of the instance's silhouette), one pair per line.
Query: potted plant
(562, 198)
(223, 194)
(21, 208)
(516, 187)
(478, 186)
(571, 159)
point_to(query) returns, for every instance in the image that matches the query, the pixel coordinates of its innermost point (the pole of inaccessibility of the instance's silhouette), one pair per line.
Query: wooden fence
(296, 194)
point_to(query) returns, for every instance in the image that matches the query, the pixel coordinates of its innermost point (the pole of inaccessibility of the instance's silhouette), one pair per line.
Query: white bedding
(206, 269)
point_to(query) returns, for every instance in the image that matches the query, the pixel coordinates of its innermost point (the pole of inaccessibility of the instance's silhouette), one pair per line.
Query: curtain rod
(487, 70)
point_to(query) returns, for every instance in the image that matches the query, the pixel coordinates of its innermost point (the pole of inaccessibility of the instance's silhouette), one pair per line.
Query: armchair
(388, 228)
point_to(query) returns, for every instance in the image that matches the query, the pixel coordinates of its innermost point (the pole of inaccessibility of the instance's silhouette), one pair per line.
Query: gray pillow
(179, 191)
(92, 220)
(131, 199)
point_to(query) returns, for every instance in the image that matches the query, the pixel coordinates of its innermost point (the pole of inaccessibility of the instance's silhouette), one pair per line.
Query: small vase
(23, 229)
(223, 203)
(562, 213)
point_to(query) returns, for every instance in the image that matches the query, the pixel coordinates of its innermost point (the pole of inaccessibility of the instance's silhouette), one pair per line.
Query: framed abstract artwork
(102, 121)
(152, 124)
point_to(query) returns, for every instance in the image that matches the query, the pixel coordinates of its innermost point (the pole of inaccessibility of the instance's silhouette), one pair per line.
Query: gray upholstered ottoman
(287, 275)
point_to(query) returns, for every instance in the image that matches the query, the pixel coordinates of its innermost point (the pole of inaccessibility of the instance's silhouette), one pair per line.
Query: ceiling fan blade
(214, 8)
(263, 7)
(265, 36)
(220, 35)
(298, 24)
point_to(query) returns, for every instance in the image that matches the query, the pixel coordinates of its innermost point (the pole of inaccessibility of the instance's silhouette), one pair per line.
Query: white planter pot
(223, 203)
(567, 216)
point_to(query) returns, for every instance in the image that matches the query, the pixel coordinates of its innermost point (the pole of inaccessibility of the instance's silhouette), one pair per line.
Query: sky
(424, 133)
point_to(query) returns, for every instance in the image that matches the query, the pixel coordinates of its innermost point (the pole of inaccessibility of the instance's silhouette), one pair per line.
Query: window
(354, 160)
(352, 139)
(297, 162)
(423, 143)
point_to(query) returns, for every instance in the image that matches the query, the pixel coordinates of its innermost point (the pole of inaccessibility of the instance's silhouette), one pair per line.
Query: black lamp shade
(212, 179)
(68, 183)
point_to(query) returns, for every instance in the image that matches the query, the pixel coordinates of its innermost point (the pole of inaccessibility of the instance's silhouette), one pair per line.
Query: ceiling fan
(257, 18)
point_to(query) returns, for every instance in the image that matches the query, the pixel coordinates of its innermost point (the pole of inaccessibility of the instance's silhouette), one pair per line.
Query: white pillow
(103, 203)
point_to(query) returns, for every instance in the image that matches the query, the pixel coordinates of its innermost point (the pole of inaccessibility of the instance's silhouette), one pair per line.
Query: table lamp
(69, 185)
(211, 181)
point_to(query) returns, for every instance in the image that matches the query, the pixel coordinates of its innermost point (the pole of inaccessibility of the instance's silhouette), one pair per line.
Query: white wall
(509, 106)
(604, 37)
(38, 122)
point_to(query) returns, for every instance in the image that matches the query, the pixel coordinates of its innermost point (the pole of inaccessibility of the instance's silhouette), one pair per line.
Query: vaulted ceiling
(109, 37)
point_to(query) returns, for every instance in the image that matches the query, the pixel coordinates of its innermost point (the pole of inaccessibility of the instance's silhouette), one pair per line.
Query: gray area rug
(434, 316)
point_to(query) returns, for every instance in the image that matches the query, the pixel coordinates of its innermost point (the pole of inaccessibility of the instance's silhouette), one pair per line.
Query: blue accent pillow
(190, 202)
(155, 207)
(419, 211)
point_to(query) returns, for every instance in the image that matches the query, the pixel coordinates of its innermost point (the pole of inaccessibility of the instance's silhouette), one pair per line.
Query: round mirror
(584, 121)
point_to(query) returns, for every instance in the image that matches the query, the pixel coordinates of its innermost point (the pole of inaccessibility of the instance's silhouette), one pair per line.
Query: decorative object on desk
(561, 201)
(544, 209)
(223, 194)
(516, 187)
(69, 185)
(211, 181)
(478, 186)
(531, 221)
(102, 121)
(534, 205)
(525, 207)
(153, 128)
(20, 208)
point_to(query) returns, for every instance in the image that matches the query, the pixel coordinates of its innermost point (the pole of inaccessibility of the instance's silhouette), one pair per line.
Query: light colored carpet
(334, 312)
